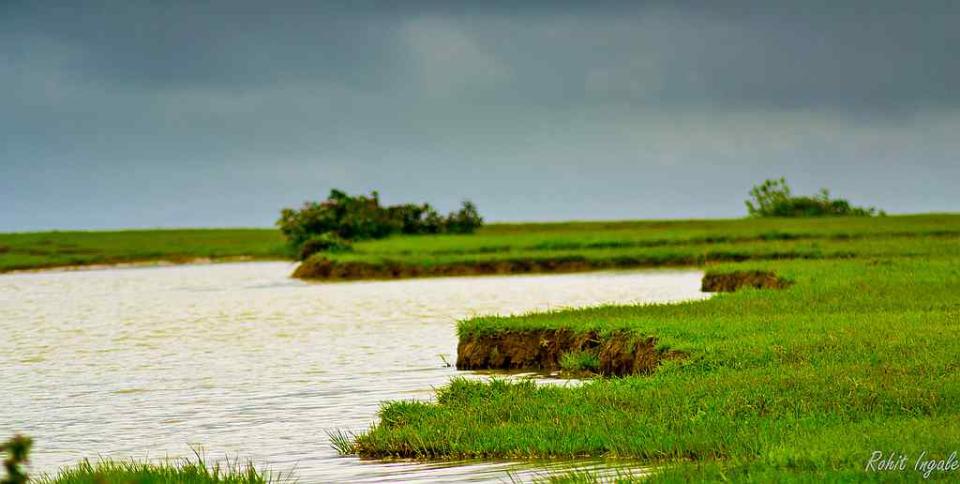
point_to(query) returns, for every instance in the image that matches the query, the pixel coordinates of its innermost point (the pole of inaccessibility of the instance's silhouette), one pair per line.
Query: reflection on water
(249, 363)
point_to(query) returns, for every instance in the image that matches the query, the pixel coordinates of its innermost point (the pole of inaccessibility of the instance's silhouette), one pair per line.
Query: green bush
(414, 219)
(464, 221)
(18, 453)
(326, 242)
(342, 217)
(349, 217)
(773, 198)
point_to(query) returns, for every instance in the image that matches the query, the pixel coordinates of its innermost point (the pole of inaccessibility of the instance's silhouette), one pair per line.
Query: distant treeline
(332, 224)
(773, 198)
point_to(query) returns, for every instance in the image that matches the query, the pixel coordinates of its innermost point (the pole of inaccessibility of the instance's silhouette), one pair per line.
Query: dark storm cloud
(861, 55)
(171, 45)
(565, 109)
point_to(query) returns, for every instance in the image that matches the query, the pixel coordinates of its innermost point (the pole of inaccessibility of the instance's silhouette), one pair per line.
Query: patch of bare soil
(732, 281)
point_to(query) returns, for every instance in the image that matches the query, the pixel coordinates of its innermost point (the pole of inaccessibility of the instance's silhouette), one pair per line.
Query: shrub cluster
(325, 242)
(18, 451)
(773, 199)
(330, 225)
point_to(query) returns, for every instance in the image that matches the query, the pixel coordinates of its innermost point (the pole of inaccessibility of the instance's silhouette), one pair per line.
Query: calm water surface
(248, 363)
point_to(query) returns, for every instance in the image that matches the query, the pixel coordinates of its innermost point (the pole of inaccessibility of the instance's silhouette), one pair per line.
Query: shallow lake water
(251, 364)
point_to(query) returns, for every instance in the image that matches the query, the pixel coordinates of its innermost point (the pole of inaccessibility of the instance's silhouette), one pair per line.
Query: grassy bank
(570, 247)
(37, 250)
(857, 354)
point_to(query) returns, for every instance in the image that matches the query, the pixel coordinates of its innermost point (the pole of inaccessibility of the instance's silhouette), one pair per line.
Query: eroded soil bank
(323, 268)
(732, 281)
(619, 353)
(331, 270)
(327, 269)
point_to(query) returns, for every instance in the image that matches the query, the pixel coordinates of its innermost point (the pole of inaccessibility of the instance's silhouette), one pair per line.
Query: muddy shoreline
(198, 261)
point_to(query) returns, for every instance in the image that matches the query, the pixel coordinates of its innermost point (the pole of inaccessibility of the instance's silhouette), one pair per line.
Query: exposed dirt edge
(323, 268)
(732, 281)
(619, 353)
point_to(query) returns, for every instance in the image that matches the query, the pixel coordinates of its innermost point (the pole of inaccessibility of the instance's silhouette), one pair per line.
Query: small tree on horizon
(767, 196)
(773, 198)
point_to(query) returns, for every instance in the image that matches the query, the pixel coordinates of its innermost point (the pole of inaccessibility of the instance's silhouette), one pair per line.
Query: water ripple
(145, 362)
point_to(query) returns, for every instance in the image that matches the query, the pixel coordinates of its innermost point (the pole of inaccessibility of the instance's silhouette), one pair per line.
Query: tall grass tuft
(341, 441)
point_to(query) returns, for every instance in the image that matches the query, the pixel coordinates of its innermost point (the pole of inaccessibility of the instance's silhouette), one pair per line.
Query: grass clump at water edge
(180, 471)
(109, 471)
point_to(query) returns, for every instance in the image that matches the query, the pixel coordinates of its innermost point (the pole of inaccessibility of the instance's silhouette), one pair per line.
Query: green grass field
(38, 250)
(595, 245)
(859, 355)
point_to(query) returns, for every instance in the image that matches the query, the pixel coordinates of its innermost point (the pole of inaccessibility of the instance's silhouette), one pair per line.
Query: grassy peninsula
(579, 246)
(857, 354)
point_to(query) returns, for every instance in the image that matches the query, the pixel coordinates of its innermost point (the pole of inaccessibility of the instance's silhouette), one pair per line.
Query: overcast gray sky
(177, 114)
